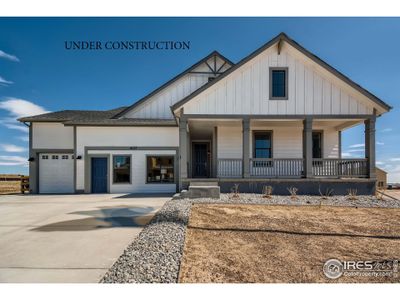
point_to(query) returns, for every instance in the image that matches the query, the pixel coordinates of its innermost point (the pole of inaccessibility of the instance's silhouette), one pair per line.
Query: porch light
(31, 159)
(79, 157)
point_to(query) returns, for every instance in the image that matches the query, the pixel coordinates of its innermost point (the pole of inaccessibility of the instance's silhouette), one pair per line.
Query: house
(274, 118)
(381, 179)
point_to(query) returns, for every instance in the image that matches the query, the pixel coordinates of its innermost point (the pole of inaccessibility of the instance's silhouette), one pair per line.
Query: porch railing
(332, 167)
(276, 167)
(229, 167)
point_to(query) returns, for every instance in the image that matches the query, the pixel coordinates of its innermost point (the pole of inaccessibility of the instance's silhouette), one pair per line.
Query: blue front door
(99, 175)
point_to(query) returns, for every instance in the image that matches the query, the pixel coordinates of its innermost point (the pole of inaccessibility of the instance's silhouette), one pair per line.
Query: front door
(99, 175)
(200, 160)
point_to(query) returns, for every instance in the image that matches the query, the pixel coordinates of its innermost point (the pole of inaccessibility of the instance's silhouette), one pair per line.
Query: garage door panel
(56, 173)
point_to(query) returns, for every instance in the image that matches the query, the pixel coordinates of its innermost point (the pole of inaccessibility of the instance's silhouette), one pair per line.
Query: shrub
(352, 194)
(235, 191)
(293, 192)
(267, 191)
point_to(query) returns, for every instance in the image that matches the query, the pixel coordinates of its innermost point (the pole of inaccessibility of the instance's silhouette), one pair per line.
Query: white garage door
(56, 173)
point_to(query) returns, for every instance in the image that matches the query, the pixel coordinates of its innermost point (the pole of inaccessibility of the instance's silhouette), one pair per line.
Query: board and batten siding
(52, 136)
(311, 90)
(120, 137)
(158, 106)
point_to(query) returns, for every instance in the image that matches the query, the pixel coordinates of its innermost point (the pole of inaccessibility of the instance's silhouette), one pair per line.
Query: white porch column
(246, 148)
(307, 146)
(370, 146)
(183, 150)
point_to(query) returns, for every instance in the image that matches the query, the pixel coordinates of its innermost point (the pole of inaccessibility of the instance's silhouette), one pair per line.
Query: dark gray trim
(254, 132)
(180, 75)
(286, 69)
(370, 146)
(214, 152)
(99, 124)
(279, 38)
(112, 169)
(175, 156)
(340, 143)
(183, 151)
(50, 150)
(75, 168)
(246, 147)
(274, 117)
(307, 147)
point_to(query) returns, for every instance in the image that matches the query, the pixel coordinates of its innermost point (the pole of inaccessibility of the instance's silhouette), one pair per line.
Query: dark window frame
(271, 70)
(113, 171)
(321, 133)
(172, 156)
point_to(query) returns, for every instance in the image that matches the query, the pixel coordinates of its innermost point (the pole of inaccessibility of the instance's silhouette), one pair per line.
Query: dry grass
(258, 243)
(10, 187)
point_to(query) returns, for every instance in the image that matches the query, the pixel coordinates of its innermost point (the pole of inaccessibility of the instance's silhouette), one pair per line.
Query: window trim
(130, 169)
(254, 142)
(173, 164)
(286, 69)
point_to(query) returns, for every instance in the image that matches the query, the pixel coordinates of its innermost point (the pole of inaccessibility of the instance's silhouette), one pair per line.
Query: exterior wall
(120, 137)
(138, 172)
(158, 106)
(381, 179)
(52, 136)
(311, 90)
(229, 142)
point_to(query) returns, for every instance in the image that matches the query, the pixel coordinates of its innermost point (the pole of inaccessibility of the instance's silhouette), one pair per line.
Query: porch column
(307, 146)
(370, 146)
(246, 148)
(183, 150)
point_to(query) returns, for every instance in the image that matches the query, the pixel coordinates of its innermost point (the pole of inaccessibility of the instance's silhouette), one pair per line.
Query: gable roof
(154, 92)
(278, 39)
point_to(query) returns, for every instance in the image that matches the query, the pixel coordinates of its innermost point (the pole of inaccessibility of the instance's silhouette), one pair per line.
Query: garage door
(56, 173)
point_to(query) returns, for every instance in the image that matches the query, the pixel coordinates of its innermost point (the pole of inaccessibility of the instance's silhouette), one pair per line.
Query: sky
(37, 73)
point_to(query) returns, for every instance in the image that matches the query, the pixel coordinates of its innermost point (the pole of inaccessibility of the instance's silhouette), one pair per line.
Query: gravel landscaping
(155, 255)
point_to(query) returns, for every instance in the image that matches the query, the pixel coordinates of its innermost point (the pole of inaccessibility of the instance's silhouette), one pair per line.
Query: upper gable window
(278, 83)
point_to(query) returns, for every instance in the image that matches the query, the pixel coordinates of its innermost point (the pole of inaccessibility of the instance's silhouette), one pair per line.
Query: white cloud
(8, 56)
(4, 81)
(356, 150)
(380, 143)
(356, 146)
(380, 163)
(346, 154)
(395, 159)
(11, 160)
(23, 138)
(386, 129)
(19, 108)
(11, 148)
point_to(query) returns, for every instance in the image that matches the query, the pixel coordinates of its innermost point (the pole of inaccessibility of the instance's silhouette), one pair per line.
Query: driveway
(68, 238)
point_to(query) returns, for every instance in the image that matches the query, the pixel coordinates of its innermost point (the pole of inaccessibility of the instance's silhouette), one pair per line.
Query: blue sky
(37, 74)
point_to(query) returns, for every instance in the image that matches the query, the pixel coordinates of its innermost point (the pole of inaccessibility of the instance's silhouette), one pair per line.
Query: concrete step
(203, 192)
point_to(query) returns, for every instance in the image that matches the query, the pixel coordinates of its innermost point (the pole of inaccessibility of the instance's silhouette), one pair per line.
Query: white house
(274, 118)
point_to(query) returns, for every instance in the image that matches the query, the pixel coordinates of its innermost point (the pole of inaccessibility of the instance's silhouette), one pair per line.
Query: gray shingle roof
(95, 117)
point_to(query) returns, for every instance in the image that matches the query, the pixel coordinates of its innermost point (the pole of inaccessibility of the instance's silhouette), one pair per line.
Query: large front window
(160, 169)
(262, 145)
(121, 169)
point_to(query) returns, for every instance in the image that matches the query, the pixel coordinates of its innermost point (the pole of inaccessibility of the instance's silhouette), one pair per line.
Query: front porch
(281, 152)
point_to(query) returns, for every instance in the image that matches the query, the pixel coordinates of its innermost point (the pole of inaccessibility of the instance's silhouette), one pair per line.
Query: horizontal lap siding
(229, 142)
(121, 137)
(246, 90)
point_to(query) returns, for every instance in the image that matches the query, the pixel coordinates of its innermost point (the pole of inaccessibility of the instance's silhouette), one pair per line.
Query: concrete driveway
(68, 238)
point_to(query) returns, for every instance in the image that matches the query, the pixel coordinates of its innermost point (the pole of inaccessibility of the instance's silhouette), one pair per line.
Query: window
(121, 169)
(160, 169)
(278, 87)
(54, 157)
(262, 145)
(317, 144)
(64, 157)
(45, 157)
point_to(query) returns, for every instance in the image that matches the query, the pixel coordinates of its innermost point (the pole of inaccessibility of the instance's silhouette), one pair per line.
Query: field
(10, 184)
(262, 243)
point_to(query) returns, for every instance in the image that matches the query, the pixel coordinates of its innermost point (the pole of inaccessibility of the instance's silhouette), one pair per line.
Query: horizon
(38, 74)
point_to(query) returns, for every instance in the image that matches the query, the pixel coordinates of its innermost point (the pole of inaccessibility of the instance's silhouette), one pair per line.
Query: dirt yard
(261, 243)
